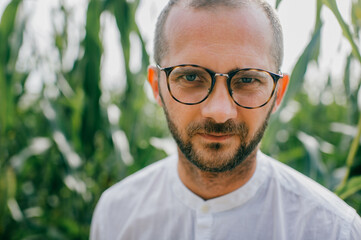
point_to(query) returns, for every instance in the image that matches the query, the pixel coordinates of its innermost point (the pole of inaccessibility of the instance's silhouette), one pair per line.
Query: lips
(215, 136)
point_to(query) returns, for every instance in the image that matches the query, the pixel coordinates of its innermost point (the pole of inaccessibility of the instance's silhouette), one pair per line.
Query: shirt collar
(222, 203)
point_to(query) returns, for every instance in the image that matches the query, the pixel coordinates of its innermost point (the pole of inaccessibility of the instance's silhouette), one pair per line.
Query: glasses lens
(251, 88)
(189, 84)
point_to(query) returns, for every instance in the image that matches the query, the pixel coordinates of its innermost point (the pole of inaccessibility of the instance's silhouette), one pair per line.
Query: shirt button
(205, 208)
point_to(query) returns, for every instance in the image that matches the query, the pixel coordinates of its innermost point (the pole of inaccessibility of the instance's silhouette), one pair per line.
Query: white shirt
(276, 203)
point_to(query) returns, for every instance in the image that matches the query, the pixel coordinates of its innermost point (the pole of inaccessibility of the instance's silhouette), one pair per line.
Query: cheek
(179, 114)
(254, 118)
(182, 115)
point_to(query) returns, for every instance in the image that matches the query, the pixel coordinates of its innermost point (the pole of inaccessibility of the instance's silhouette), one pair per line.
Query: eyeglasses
(249, 87)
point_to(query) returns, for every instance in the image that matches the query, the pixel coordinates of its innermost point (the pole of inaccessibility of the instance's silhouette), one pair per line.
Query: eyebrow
(235, 69)
(230, 71)
(238, 69)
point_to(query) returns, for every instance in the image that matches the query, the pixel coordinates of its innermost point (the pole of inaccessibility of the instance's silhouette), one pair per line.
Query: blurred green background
(65, 136)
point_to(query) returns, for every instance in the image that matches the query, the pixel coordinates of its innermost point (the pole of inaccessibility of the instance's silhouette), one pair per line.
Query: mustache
(209, 127)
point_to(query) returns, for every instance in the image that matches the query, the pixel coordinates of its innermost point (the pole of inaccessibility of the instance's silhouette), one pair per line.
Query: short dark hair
(160, 42)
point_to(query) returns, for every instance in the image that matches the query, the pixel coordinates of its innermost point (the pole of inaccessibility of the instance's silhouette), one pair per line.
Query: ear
(282, 87)
(153, 81)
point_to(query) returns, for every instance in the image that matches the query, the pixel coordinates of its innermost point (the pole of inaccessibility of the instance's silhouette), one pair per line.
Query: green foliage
(351, 187)
(58, 149)
(278, 2)
(61, 148)
(317, 139)
(310, 53)
(345, 28)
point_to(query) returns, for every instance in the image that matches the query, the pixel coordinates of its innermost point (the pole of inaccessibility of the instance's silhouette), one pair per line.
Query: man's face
(216, 135)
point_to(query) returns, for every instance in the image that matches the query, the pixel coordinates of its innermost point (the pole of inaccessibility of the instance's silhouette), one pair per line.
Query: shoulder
(135, 189)
(144, 180)
(130, 199)
(305, 189)
(309, 201)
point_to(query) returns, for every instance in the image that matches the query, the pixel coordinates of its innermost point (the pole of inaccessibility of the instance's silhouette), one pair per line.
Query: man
(218, 80)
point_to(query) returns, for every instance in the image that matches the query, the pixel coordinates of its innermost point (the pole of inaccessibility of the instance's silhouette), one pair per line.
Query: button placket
(204, 223)
(205, 209)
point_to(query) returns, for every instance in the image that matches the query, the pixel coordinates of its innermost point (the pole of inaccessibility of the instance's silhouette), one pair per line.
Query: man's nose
(219, 105)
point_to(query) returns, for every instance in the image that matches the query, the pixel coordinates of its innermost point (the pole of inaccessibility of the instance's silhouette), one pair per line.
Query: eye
(247, 80)
(190, 77)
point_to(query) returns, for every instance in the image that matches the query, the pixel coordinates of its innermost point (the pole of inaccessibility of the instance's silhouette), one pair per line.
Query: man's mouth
(216, 136)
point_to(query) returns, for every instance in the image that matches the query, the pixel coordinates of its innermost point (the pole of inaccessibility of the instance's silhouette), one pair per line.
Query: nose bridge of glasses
(227, 77)
(215, 75)
(221, 75)
(223, 84)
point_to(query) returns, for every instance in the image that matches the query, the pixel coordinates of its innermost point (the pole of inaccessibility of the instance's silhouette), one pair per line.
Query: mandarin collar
(223, 203)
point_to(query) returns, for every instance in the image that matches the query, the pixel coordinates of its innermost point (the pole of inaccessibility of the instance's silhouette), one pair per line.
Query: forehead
(241, 35)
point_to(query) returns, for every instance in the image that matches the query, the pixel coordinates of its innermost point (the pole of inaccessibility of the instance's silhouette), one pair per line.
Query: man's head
(160, 39)
(216, 135)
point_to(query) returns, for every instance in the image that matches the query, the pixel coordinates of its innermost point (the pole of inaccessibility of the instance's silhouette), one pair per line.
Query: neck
(208, 185)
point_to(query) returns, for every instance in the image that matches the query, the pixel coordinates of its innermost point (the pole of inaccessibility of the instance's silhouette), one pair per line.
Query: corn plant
(323, 141)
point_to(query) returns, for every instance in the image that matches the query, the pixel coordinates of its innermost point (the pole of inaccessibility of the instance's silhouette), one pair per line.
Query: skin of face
(220, 39)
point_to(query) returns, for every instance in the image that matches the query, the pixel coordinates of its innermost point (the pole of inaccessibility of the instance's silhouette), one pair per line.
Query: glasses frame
(229, 75)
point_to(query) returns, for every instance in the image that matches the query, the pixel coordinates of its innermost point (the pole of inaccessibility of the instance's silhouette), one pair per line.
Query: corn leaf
(299, 71)
(332, 5)
(91, 120)
(352, 186)
(278, 3)
(6, 29)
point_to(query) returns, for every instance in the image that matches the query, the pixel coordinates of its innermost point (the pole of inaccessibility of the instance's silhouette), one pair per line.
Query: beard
(228, 160)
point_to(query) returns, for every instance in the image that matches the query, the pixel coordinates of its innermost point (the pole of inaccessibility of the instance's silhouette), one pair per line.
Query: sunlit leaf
(8, 19)
(346, 78)
(312, 147)
(351, 187)
(299, 71)
(356, 16)
(278, 3)
(15, 210)
(344, 26)
(7, 24)
(11, 182)
(352, 153)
